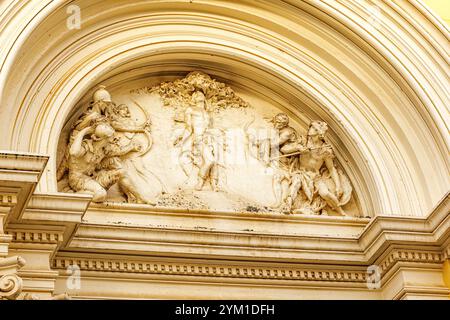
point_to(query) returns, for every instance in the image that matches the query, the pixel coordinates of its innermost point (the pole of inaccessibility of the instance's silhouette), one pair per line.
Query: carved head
(280, 121)
(103, 130)
(123, 111)
(317, 128)
(101, 94)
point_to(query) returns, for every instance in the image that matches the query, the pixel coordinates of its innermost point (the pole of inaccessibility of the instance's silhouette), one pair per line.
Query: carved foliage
(179, 92)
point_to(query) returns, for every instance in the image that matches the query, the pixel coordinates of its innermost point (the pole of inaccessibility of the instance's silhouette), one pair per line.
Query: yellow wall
(447, 272)
(441, 8)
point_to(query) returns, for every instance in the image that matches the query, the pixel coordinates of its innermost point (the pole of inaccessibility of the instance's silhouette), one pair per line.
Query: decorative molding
(62, 296)
(31, 236)
(131, 229)
(212, 270)
(410, 255)
(11, 264)
(26, 167)
(8, 199)
(316, 273)
(19, 175)
(446, 252)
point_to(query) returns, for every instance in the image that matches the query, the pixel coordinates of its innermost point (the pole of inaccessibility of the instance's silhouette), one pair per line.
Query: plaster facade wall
(376, 71)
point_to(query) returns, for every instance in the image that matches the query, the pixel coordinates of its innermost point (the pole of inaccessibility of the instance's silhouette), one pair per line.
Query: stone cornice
(36, 236)
(24, 167)
(385, 231)
(218, 270)
(410, 256)
(248, 270)
(143, 230)
(8, 199)
(19, 175)
(67, 207)
(59, 209)
(149, 231)
(446, 251)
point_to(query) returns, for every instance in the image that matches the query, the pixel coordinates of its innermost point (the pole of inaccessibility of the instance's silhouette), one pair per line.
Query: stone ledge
(223, 270)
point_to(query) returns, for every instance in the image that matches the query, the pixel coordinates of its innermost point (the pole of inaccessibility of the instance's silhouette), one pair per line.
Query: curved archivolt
(382, 89)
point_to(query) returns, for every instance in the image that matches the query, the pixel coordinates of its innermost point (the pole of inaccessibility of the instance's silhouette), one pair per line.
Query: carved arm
(120, 127)
(76, 149)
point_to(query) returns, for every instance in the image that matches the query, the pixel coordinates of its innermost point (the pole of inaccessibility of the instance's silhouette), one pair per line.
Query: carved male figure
(100, 140)
(122, 145)
(314, 156)
(101, 100)
(203, 147)
(85, 155)
(285, 143)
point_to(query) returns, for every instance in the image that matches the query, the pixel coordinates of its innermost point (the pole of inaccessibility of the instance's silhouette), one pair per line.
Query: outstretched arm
(289, 148)
(121, 127)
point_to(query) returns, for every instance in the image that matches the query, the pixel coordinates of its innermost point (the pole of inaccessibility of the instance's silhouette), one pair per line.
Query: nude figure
(315, 155)
(276, 153)
(203, 146)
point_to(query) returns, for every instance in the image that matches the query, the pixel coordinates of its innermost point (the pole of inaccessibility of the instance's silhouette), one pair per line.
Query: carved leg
(200, 183)
(203, 173)
(295, 187)
(214, 177)
(99, 193)
(329, 197)
(264, 151)
(280, 188)
(85, 184)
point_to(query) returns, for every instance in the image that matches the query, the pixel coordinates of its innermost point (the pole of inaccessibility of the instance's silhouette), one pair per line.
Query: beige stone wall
(382, 88)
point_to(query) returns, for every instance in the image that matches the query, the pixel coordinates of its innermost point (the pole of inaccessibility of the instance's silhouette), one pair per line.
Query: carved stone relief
(195, 143)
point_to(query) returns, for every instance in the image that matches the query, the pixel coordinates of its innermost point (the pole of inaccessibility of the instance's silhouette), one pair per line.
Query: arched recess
(381, 85)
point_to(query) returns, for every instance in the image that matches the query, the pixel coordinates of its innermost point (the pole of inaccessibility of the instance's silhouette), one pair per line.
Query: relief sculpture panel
(195, 143)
